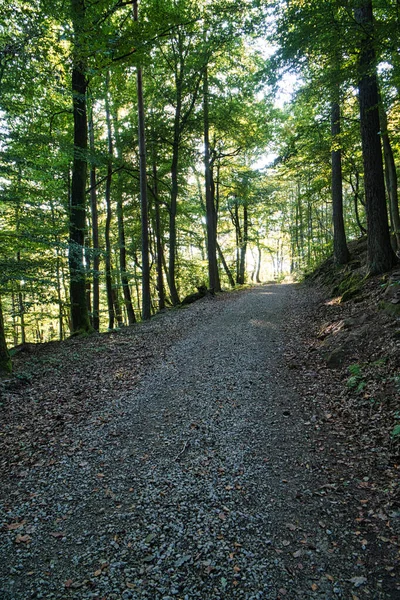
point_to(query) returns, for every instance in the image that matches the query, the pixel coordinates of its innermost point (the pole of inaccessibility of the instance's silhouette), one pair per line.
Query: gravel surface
(201, 483)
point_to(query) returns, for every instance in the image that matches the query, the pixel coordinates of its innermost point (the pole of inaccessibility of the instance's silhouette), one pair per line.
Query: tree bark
(159, 245)
(340, 249)
(258, 264)
(126, 290)
(243, 246)
(173, 206)
(211, 213)
(225, 265)
(391, 175)
(146, 299)
(109, 282)
(5, 360)
(381, 256)
(77, 219)
(95, 232)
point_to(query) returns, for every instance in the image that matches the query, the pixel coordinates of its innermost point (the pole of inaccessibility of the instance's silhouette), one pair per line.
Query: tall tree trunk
(109, 285)
(95, 230)
(211, 213)
(340, 249)
(146, 299)
(159, 245)
(239, 240)
(126, 290)
(122, 257)
(77, 219)
(381, 256)
(225, 265)
(258, 263)
(5, 360)
(243, 246)
(391, 175)
(172, 210)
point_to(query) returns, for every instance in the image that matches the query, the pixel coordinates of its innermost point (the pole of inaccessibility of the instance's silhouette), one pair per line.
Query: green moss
(392, 309)
(5, 367)
(351, 293)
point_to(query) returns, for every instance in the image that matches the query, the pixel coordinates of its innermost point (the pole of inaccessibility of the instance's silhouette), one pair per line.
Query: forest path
(202, 483)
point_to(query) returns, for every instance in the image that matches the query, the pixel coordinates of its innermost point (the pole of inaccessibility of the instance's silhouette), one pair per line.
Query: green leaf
(396, 431)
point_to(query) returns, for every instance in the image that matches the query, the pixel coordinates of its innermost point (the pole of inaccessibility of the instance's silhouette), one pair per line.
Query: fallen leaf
(314, 587)
(24, 539)
(13, 526)
(58, 534)
(97, 573)
(68, 583)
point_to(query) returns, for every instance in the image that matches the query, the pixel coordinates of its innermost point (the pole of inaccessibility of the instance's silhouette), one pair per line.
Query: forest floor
(220, 451)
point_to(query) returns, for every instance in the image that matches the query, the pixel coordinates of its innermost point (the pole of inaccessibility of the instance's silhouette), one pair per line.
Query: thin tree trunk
(381, 256)
(172, 212)
(391, 175)
(146, 299)
(258, 264)
(243, 247)
(159, 245)
(122, 258)
(109, 285)
(340, 249)
(5, 360)
(211, 214)
(95, 231)
(225, 265)
(121, 231)
(77, 221)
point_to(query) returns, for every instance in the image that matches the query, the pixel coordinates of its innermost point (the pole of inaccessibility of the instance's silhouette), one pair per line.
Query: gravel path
(198, 485)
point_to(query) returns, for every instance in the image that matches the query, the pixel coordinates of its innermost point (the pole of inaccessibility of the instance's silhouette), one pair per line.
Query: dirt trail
(204, 482)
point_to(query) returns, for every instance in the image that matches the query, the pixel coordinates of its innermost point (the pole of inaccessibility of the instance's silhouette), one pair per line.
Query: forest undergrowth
(345, 359)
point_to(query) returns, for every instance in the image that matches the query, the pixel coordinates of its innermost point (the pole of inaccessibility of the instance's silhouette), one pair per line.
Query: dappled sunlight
(263, 324)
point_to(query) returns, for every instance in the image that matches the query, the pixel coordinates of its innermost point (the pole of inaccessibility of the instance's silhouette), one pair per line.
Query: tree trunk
(5, 360)
(159, 245)
(172, 212)
(126, 290)
(340, 249)
(122, 258)
(391, 176)
(243, 247)
(77, 219)
(258, 264)
(109, 285)
(95, 231)
(225, 265)
(146, 300)
(381, 257)
(211, 214)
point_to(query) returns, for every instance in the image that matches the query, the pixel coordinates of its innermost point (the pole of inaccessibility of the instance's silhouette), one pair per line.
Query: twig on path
(182, 451)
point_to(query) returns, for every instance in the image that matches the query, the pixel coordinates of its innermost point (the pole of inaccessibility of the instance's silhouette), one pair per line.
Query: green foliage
(395, 433)
(356, 380)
